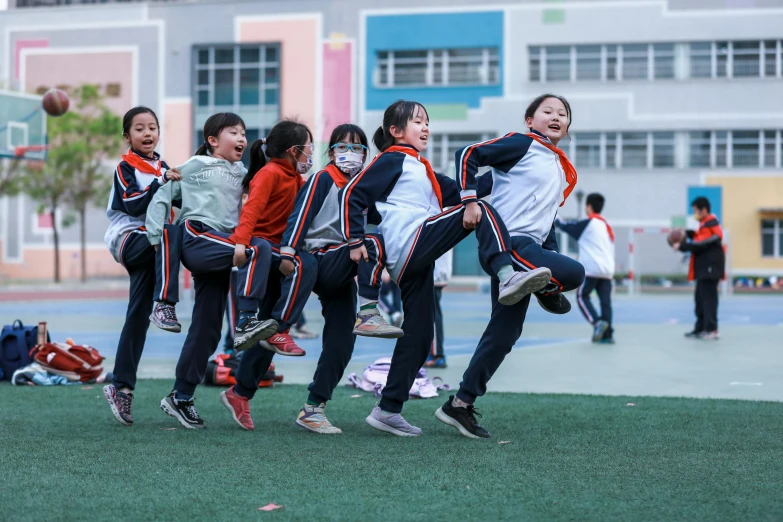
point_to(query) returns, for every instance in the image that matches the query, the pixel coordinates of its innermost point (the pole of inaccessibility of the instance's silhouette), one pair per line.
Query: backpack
(16, 341)
(221, 371)
(74, 362)
(374, 379)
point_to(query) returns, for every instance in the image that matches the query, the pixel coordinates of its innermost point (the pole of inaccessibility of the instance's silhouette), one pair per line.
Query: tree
(9, 180)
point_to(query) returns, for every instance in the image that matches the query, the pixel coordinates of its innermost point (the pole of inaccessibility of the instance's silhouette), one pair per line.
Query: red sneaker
(239, 407)
(283, 344)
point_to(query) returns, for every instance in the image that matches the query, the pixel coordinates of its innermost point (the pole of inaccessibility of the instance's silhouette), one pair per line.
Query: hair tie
(263, 140)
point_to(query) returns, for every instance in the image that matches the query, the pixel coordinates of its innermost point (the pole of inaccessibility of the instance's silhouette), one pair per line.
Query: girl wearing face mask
(312, 242)
(530, 179)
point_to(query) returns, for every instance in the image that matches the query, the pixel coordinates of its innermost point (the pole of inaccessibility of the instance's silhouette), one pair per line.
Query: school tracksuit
(211, 192)
(530, 179)
(136, 180)
(707, 268)
(265, 214)
(595, 238)
(408, 197)
(442, 275)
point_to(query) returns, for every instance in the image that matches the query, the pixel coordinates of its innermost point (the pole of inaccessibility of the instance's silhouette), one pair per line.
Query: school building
(669, 96)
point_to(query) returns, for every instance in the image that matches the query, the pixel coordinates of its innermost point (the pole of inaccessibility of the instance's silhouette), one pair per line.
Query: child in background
(596, 253)
(136, 180)
(437, 357)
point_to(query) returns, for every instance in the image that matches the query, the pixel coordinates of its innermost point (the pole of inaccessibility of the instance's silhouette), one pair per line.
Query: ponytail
(203, 150)
(382, 140)
(257, 161)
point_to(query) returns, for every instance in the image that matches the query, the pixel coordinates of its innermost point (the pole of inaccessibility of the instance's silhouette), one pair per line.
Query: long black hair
(398, 114)
(286, 134)
(353, 132)
(214, 125)
(127, 120)
(536, 103)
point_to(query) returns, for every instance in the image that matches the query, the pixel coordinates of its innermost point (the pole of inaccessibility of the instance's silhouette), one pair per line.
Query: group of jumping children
(288, 238)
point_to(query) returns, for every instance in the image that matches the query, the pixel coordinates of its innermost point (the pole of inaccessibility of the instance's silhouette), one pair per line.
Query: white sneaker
(312, 418)
(394, 424)
(521, 284)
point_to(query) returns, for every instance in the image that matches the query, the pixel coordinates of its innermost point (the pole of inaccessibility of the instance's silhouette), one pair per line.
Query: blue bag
(16, 341)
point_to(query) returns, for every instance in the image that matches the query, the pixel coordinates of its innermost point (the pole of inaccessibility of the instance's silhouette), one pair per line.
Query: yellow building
(753, 215)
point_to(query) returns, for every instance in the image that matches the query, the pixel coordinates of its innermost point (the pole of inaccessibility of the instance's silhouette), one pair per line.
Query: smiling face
(550, 119)
(416, 131)
(144, 134)
(229, 144)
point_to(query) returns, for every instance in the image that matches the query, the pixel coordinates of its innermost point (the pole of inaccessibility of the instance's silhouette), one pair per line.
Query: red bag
(72, 361)
(221, 372)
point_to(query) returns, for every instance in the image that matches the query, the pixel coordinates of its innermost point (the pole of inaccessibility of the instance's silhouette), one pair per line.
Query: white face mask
(303, 167)
(349, 162)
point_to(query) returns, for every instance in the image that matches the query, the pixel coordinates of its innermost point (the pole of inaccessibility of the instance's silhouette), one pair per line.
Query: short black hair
(701, 203)
(596, 201)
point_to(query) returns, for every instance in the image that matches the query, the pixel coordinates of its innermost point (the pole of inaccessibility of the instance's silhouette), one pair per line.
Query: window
(772, 237)
(558, 63)
(747, 59)
(770, 60)
(474, 66)
(634, 150)
(441, 153)
(611, 62)
(663, 149)
(588, 62)
(721, 148)
(663, 61)
(745, 150)
(587, 150)
(535, 64)
(701, 60)
(722, 58)
(635, 58)
(699, 149)
(769, 149)
(611, 151)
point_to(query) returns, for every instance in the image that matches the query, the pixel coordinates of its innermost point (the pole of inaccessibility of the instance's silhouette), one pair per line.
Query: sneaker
(370, 323)
(303, 333)
(164, 316)
(184, 411)
(312, 418)
(464, 419)
(281, 343)
(393, 424)
(599, 330)
(120, 403)
(238, 406)
(554, 303)
(435, 362)
(693, 335)
(709, 336)
(249, 332)
(521, 284)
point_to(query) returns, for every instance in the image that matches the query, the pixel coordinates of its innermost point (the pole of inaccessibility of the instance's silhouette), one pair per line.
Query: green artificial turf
(64, 457)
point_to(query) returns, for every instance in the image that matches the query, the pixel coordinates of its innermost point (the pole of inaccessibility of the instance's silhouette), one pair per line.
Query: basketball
(55, 102)
(676, 236)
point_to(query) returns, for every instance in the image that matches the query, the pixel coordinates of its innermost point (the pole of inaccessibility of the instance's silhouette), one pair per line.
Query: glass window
(558, 63)
(224, 56)
(663, 61)
(634, 151)
(635, 61)
(745, 149)
(494, 66)
(203, 98)
(699, 149)
(203, 56)
(249, 89)
(611, 62)
(611, 151)
(770, 49)
(271, 96)
(771, 230)
(722, 57)
(271, 75)
(535, 64)
(224, 87)
(769, 148)
(251, 55)
(466, 66)
(271, 54)
(721, 148)
(747, 59)
(410, 67)
(701, 59)
(588, 62)
(587, 150)
(663, 149)
(203, 77)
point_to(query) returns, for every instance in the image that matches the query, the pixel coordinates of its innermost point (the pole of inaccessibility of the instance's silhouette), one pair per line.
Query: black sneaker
(555, 303)
(120, 403)
(250, 331)
(464, 419)
(164, 316)
(184, 411)
(693, 335)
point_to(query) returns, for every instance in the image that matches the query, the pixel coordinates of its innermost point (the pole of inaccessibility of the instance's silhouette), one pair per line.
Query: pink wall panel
(338, 74)
(177, 132)
(25, 44)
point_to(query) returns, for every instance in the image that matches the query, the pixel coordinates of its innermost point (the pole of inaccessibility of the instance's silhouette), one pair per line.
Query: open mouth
(555, 126)
(146, 143)
(239, 149)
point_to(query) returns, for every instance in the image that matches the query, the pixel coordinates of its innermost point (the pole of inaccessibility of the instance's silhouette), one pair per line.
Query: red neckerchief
(337, 175)
(608, 227)
(430, 173)
(568, 168)
(142, 164)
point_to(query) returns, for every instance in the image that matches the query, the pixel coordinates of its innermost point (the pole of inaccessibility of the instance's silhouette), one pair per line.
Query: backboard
(22, 126)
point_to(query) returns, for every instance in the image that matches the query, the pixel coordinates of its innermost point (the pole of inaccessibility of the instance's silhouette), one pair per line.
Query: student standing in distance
(136, 180)
(211, 193)
(707, 268)
(595, 238)
(437, 357)
(401, 187)
(531, 178)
